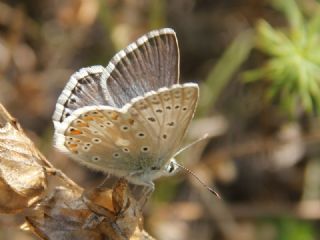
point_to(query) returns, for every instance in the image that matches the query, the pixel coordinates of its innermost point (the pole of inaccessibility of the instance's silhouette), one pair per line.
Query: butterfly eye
(171, 167)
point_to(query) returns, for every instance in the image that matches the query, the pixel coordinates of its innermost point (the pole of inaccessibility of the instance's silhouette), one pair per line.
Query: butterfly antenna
(199, 180)
(204, 137)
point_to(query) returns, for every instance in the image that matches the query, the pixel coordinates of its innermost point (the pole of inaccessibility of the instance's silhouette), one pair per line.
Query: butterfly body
(129, 118)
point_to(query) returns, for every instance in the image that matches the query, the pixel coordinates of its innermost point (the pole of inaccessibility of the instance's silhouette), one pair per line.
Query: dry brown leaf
(22, 178)
(70, 214)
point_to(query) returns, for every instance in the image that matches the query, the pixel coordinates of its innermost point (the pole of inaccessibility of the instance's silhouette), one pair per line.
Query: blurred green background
(258, 65)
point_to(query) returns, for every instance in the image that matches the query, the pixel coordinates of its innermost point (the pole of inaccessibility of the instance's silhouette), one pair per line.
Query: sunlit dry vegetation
(258, 67)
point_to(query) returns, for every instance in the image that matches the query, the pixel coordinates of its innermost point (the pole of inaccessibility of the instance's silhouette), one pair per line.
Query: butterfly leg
(101, 185)
(147, 191)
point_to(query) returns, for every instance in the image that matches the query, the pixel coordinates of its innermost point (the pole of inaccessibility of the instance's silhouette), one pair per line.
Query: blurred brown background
(264, 162)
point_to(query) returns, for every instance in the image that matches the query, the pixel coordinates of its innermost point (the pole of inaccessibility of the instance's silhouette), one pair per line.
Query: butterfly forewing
(83, 89)
(168, 114)
(134, 138)
(148, 64)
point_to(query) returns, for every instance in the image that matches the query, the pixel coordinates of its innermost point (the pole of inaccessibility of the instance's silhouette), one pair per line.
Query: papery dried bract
(111, 200)
(121, 212)
(120, 196)
(62, 216)
(68, 215)
(22, 179)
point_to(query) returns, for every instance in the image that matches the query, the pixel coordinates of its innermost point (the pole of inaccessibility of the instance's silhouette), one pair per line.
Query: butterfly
(129, 118)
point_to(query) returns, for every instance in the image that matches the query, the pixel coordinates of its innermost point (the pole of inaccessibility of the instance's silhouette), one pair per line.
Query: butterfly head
(155, 172)
(171, 168)
(146, 175)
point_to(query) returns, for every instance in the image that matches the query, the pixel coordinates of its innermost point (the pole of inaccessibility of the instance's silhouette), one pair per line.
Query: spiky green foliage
(293, 67)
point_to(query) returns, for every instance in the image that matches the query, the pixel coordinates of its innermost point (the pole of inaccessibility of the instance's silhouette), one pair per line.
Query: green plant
(293, 66)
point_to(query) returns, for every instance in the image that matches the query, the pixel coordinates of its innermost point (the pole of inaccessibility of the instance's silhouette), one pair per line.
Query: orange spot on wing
(131, 121)
(73, 148)
(74, 131)
(114, 116)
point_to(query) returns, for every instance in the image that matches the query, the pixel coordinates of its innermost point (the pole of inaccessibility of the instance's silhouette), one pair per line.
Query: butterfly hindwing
(134, 138)
(97, 138)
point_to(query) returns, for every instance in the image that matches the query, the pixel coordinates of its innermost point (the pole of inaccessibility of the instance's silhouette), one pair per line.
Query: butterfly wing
(141, 136)
(147, 64)
(168, 113)
(83, 89)
(133, 121)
